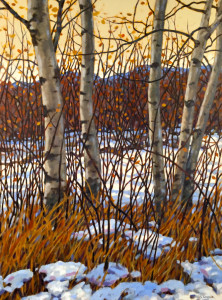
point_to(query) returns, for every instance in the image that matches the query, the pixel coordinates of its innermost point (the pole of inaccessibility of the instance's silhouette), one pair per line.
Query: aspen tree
(203, 115)
(190, 100)
(89, 133)
(49, 74)
(155, 128)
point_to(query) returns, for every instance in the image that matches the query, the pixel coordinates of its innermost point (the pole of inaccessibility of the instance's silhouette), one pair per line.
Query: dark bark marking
(85, 135)
(51, 155)
(57, 74)
(91, 163)
(34, 33)
(197, 132)
(177, 177)
(84, 31)
(183, 144)
(196, 43)
(153, 103)
(196, 61)
(92, 186)
(157, 176)
(156, 143)
(189, 103)
(186, 130)
(87, 147)
(45, 111)
(49, 179)
(42, 80)
(155, 65)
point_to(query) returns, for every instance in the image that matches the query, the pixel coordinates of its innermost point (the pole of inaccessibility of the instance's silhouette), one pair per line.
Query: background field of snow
(125, 171)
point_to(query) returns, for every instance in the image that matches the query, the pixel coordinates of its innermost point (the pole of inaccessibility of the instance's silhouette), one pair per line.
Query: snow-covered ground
(205, 275)
(205, 282)
(121, 169)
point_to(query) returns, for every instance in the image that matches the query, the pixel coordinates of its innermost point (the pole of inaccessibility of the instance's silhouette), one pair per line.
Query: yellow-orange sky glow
(186, 20)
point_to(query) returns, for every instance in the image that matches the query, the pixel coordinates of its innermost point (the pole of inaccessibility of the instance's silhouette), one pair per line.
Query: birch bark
(155, 130)
(189, 102)
(203, 114)
(49, 74)
(89, 133)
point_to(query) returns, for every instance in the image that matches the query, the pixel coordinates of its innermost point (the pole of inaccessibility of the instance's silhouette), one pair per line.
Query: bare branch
(189, 5)
(58, 25)
(72, 19)
(14, 13)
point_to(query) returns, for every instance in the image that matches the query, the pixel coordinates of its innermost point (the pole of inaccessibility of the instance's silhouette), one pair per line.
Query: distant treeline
(120, 102)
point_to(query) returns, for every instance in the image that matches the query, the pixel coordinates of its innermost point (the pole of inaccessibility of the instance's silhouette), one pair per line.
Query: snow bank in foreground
(130, 290)
(205, 275)
(207, 270)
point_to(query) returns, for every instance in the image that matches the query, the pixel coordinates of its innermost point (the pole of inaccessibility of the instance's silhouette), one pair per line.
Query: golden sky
(186, 20)
(184, 17)
(107, 8)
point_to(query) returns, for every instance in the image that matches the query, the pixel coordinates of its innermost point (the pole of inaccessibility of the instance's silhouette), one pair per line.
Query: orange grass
(34, 240)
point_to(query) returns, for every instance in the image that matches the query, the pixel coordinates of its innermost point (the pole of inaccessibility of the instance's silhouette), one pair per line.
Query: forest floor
(205, 282)
(205, 275)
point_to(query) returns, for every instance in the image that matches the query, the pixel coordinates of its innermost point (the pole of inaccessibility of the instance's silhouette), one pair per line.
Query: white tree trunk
(189, 102)
(204, 114)
(54, 158)
(155, 130)
(89, 134)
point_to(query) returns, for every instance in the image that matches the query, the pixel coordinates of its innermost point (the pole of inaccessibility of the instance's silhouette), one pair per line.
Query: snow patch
(61, 271)
(56, 288)
(17, 279)
(154, 243)
(81, 291)
(205, 269)
(115, 272)
(1, 286)
(97, 228)
(40, 296)
(135, 274)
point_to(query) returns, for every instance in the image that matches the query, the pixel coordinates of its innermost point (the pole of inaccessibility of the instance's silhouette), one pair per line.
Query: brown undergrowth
(33, 239)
